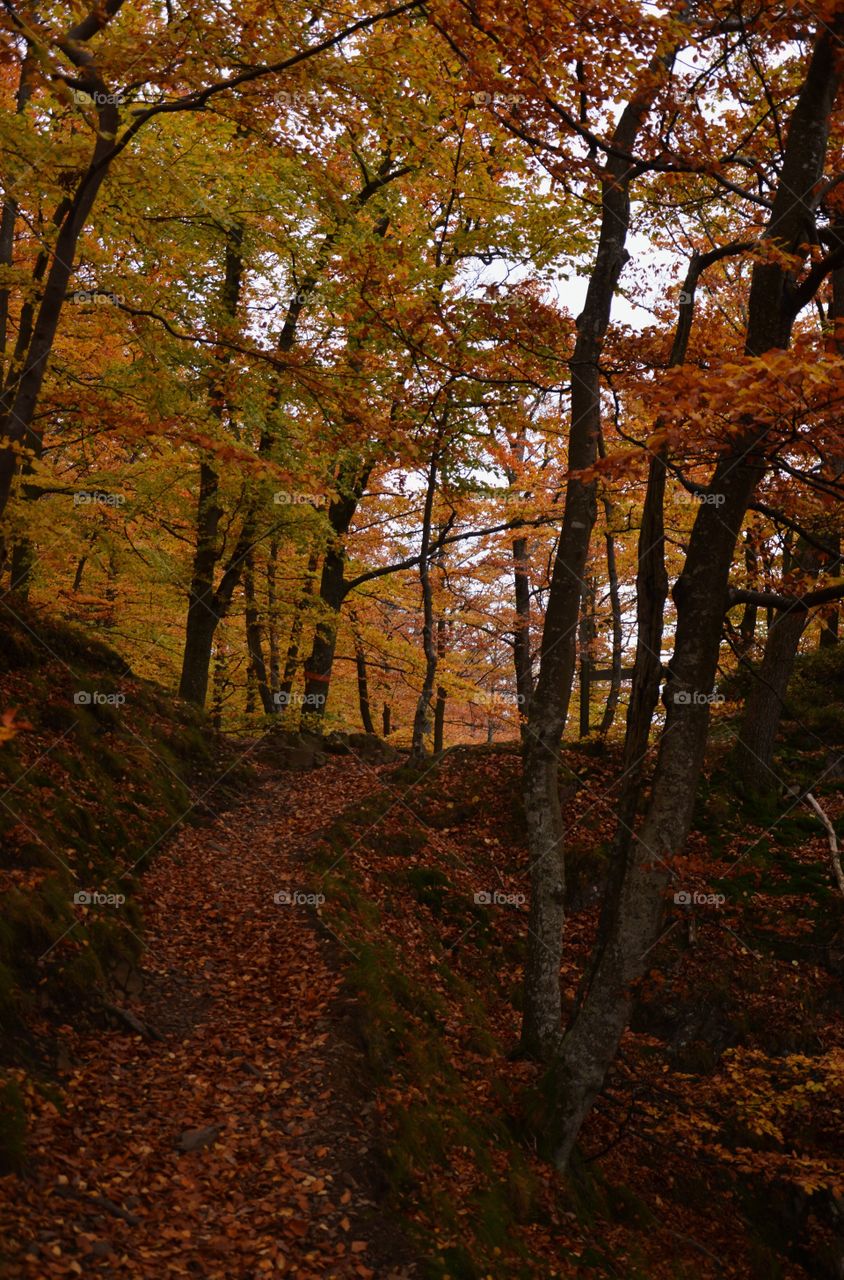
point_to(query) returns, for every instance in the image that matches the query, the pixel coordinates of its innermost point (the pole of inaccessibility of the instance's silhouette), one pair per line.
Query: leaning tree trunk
(701, 595)
(550, 702)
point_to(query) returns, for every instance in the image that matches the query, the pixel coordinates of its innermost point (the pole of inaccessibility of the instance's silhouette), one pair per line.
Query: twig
(834, 853)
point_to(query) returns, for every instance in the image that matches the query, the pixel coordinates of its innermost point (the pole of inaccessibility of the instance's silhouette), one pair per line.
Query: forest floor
(247, 1061)
(327, 1089)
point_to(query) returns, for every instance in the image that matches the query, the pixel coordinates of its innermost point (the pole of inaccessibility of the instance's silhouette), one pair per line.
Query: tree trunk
(521, 635)
(203, 615)
(550, 703)
(442, 693)
(754, 750)
(19, 401)
(363, 686)
(351, 484)
(700, 595)
(205, 607)
(422, 717)
(272, 618)
(615, 607)
(586, 636)
(255, 638)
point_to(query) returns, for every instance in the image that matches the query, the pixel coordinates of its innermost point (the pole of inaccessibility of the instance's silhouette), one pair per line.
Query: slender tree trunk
(615, 608)
(550, 703)
(586, 635)
(700, 595)
(423, 706)
(20, 397)
(363, 683)
(255, 638)
(521, 635)
(203, 614)
(442, 693)
(272, 618)
(386, 727)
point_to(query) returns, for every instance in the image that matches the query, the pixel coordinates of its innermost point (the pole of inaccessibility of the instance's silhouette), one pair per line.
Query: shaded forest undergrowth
(291, 1050)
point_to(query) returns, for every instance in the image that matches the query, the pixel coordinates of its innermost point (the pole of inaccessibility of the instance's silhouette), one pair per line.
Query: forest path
(240, 1143)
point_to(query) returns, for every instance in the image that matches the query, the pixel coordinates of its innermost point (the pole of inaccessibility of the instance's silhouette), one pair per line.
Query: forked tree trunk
(351, 483)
